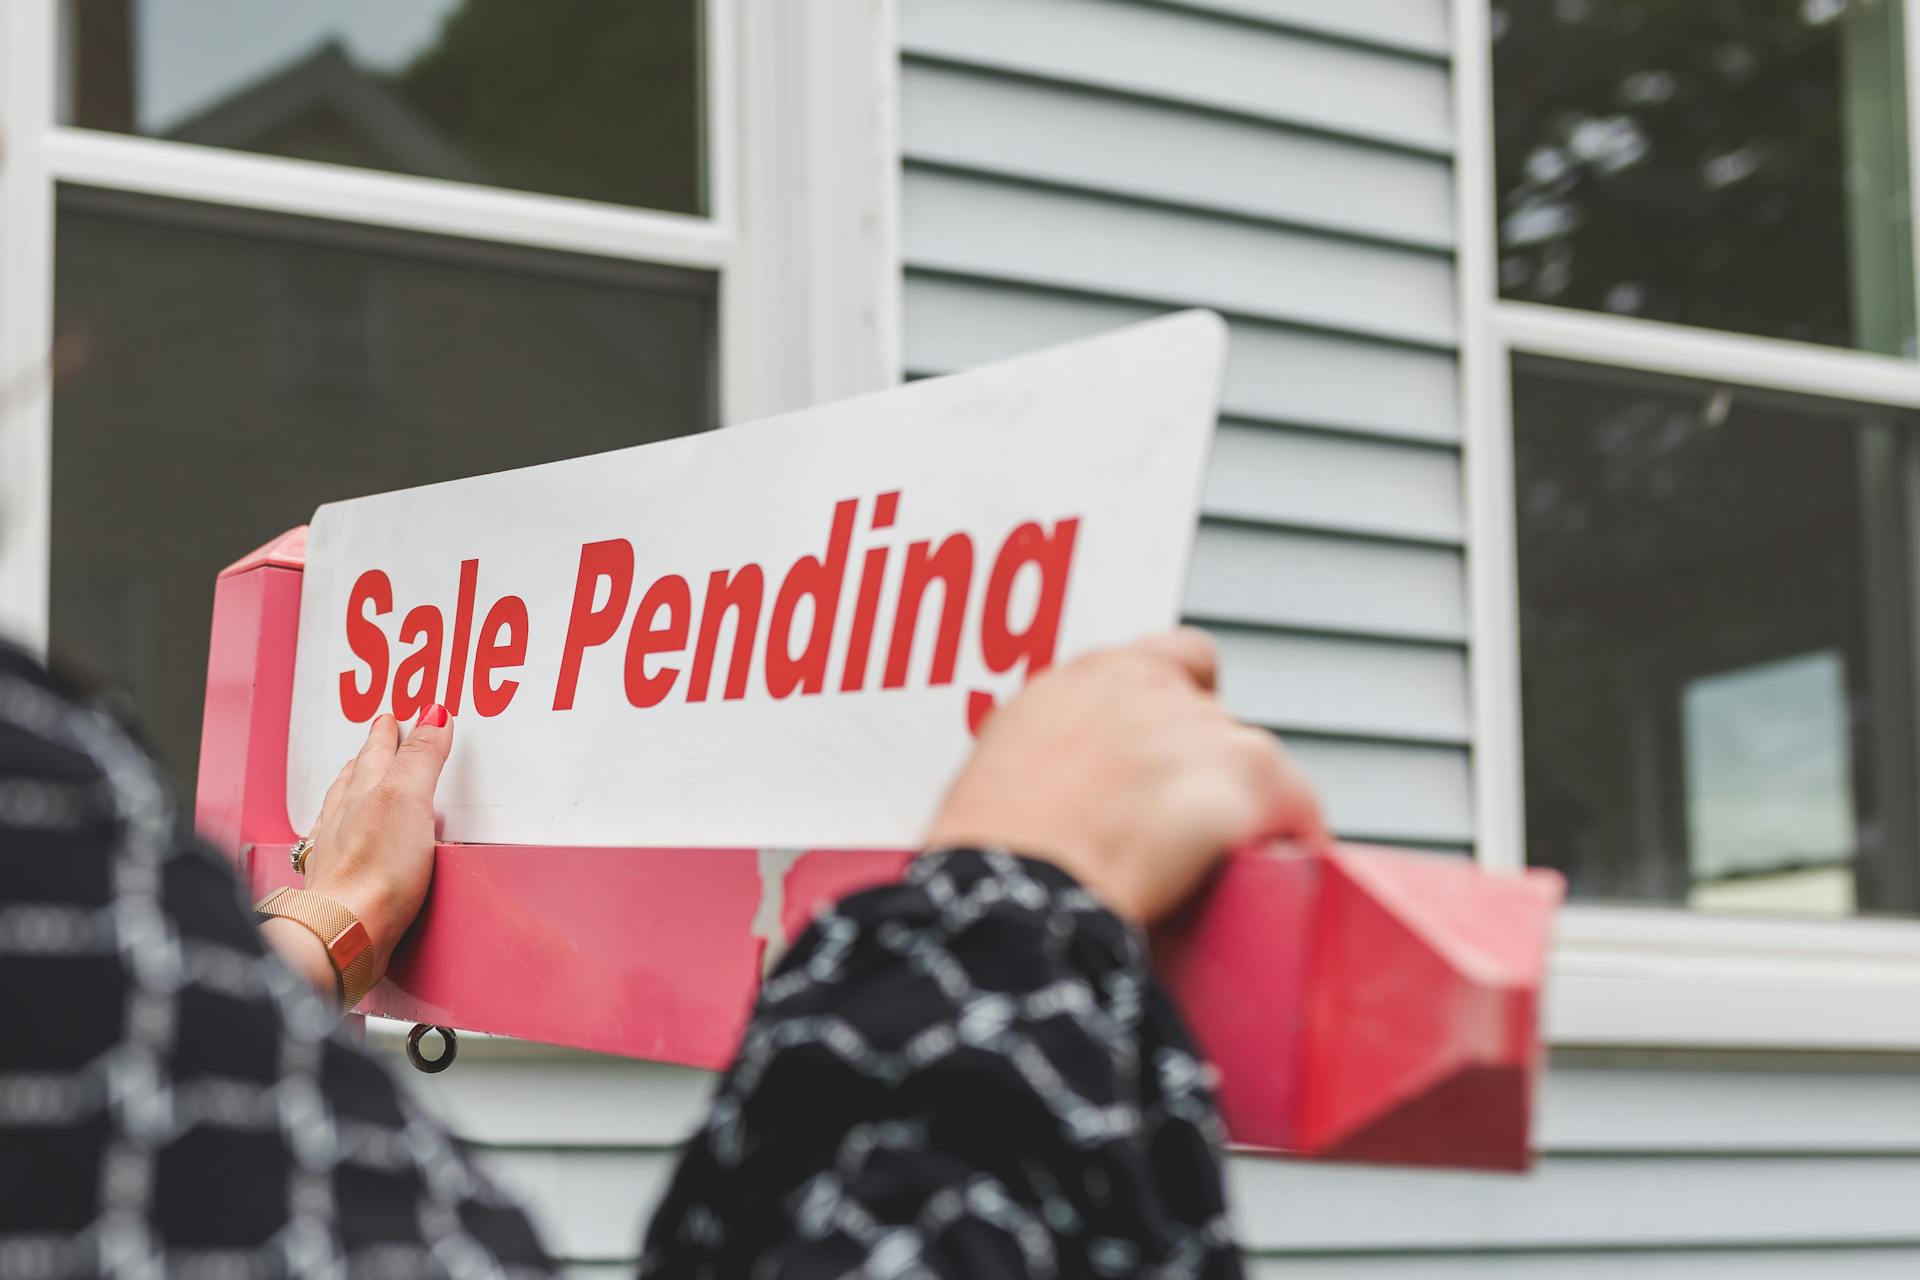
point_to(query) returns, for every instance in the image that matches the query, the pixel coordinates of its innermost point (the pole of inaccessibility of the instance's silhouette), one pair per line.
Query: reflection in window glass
(1738, 165)
(235, 371)
(1716, 646)
(599, 99)
(1769, 786)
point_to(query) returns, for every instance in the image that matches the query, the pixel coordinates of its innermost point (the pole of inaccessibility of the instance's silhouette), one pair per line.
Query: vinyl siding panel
(993, 229)
(984, 121)
(1336, 685)
(1576, 1202)
(1284, 1207)
(1426, 804)
(507, 1095)
(1070, 166)
(1411, 26)
(525, 1096)
(1275, 373)
(1329, 483)
(1283, 578)
(1188, 57)
(1704, 1170)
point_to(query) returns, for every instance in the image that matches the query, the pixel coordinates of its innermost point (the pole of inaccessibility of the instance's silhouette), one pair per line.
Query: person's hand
(373, 842)
(1123, 769)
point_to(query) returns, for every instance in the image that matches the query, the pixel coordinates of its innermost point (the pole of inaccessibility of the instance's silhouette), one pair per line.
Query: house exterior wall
(1656, 1167)
(1070, 165)
(1077, 164)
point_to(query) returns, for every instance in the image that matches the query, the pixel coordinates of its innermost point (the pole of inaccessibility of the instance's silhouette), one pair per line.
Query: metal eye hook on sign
(432, 1066)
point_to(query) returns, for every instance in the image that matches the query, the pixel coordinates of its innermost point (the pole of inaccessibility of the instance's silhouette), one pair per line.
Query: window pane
(593, 98)
(1716, 648)
(1739, 165)
(236, 371)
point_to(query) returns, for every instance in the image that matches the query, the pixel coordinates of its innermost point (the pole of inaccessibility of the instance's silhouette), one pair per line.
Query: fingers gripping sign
(1124, 768)
(373, 842)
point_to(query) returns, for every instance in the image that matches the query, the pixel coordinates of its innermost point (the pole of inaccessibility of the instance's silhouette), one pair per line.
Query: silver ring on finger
(298, 854)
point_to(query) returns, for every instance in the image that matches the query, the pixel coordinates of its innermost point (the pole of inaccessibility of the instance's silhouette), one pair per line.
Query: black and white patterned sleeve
(173, 1099)
(970, 1073)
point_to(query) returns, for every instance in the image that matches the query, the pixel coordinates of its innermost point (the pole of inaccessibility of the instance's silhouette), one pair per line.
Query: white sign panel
(778, 634)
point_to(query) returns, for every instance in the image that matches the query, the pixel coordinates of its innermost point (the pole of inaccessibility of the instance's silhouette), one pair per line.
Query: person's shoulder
(41, 735)
(59, 811)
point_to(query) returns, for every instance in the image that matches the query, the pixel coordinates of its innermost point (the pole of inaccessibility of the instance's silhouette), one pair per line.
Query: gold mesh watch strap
(339, 930)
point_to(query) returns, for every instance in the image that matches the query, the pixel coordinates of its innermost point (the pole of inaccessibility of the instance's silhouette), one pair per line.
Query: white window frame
(1624, 976)
(803, 232)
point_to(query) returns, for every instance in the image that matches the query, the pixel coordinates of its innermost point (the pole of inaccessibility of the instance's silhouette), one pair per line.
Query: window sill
(1633, 977)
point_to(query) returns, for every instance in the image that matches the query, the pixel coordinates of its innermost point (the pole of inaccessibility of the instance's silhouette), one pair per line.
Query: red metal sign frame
(1366, 1005)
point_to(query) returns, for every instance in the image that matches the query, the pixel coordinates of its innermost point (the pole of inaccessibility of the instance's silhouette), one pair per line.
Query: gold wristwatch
(348, 945)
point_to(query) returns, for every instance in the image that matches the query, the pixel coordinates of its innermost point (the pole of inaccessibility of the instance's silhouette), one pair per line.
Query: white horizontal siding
(1074, 165)
(986, 122)
(1868, 1110)
(1313, 581)
(559, 1099)
(1695, 1165)
(1337, 686)
(1324, 481)
(1164, 53)
(1391, 793)
(1274, 373)
(968, 226)
(1417, 26)
(1581, 1202)
(602, 1199)
(562, 1099)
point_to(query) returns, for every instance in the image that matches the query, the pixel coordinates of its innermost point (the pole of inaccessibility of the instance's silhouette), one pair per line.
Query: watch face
(347, 947)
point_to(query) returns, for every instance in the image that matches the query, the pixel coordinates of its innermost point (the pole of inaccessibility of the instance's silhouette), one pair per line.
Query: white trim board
(811, 312)
(27, 52)
(1486, 448)
(1635, 977)
(275, 184)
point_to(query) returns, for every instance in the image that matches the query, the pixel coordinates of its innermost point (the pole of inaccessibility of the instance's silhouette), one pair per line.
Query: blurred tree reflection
(604, 105)
(1735, 164)
(600, 99)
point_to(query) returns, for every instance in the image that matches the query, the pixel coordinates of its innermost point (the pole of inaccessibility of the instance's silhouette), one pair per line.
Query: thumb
(417, 764)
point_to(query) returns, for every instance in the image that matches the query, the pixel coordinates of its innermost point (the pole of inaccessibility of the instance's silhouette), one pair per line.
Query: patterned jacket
(967, 1074)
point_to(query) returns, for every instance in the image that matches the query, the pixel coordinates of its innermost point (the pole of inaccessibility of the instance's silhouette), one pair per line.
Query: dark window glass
(1735, 164)
(593, 98)
(1716, 642)
(235, 371)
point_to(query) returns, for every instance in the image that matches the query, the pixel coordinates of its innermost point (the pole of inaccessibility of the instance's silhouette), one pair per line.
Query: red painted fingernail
(433, 717)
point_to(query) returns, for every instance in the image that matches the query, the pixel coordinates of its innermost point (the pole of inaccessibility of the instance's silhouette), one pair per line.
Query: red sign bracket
(1366, 1005)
